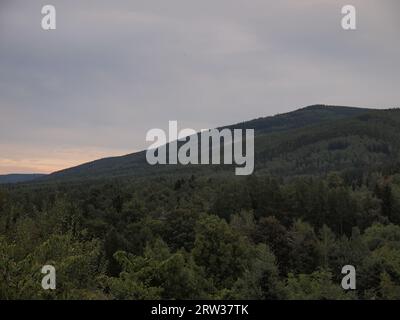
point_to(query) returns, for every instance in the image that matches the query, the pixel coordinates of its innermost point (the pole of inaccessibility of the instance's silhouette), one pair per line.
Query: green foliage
(159, 274)
(326, 193)
(78, 266)
(260, 279)
(221, 251)
(315, 286)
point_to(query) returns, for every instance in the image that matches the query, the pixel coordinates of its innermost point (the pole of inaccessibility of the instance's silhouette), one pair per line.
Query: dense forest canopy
(325, 193)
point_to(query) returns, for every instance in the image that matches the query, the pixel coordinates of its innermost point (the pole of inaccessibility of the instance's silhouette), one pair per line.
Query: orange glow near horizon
(25, 161)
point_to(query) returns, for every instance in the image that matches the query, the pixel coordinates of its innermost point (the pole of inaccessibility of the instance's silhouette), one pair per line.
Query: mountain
(326, 191)
(15, 178)
(311, 140)
(300, 118)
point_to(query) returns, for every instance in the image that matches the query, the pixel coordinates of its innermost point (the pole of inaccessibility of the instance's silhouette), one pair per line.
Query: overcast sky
(115, 69)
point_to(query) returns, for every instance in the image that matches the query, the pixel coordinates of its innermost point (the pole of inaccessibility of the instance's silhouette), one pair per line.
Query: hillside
(310, 140)
(16, 178)
(326, 193)
(361, 142)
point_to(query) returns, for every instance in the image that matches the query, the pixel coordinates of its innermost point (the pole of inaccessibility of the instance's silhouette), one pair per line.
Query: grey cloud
(114, 69)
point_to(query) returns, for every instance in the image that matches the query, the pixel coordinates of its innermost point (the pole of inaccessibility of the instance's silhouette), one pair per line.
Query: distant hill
(310, 140)
(300, 118)
(16, 178)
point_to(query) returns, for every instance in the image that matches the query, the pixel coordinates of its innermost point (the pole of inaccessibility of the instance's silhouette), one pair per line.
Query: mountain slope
(300, 118)
(16, 178)
(365, 141)
(310, 140)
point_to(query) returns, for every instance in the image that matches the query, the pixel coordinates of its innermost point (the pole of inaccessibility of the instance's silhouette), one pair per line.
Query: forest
(325, 193)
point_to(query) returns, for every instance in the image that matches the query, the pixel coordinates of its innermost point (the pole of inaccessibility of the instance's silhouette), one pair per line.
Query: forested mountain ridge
(15, 178)
(300, 118)
(311, 140)
(367, 140)
(324, 195)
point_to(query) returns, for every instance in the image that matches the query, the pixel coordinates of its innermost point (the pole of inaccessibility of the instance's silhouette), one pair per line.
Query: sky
(113, 70)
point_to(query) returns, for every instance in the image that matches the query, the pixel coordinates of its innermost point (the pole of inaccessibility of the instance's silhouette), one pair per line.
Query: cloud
(115, 69)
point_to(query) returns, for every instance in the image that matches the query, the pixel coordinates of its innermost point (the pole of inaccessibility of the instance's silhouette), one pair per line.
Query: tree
(271, 232)
(261, 277)
(179, 229)
(303, 246)
(158, 274)
(220, 250)
(78, 268)
(326, 246)
(315, 286)
(380, 270)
